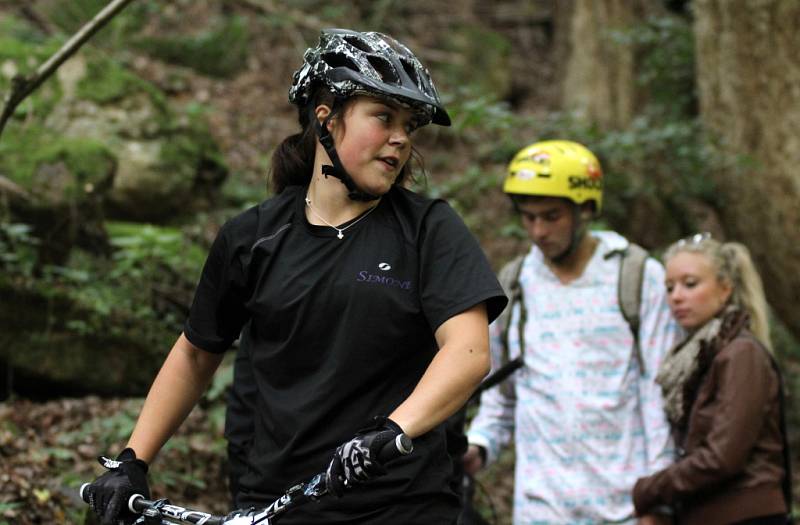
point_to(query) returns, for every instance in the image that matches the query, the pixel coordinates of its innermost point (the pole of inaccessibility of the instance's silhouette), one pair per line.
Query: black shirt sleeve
(454, 272)
(218, 310)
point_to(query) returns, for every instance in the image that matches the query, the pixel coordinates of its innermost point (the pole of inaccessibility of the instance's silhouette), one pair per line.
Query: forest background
(117, 172)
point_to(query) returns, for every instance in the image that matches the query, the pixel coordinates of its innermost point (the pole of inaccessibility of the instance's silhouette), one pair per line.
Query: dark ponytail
(293, 159)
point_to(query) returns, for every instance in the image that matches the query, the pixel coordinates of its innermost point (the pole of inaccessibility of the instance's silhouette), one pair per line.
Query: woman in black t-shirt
(363, 307)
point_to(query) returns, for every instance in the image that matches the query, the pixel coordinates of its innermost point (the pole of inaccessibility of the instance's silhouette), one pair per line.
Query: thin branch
(22, 86)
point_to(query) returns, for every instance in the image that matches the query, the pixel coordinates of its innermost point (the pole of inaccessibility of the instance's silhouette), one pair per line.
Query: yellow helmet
(556, 168)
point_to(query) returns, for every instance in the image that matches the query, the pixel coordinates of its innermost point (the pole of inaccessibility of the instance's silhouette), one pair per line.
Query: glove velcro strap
(109, 463)
(391, 425)
(381, 423)
(126, 456)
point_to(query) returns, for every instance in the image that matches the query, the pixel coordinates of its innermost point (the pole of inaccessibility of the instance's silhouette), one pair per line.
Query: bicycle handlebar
(296, 495)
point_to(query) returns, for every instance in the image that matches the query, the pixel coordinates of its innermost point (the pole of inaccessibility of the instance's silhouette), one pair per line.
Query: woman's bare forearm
(456, 370)
(183, 378)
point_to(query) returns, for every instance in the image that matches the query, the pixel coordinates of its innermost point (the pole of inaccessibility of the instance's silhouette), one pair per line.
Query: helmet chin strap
(337, 170)
(577, 235)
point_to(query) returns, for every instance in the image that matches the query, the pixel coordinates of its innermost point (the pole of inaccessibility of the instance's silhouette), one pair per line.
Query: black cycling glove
(108, 495)
(357, 460)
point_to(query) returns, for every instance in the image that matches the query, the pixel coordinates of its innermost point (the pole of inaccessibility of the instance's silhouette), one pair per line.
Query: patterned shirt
(585, 419)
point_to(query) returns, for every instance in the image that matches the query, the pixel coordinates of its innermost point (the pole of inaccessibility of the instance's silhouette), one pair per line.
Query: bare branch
(22, 86)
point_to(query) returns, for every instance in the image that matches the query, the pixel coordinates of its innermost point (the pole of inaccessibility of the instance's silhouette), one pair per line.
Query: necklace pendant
(340, 235)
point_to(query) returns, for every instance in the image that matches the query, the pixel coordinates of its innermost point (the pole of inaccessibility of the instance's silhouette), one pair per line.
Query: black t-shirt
(340, 331)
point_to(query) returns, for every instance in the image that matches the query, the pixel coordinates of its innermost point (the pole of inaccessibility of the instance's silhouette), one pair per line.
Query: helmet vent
(358, 44)
(384, 69)
(410, 70)
(335, 60)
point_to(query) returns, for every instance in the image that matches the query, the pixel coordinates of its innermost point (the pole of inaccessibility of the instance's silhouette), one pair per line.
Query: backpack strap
(509, 280)
(629, 292)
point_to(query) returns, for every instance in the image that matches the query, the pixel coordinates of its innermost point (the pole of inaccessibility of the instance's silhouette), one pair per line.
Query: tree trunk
(597, 71)
(748, 73)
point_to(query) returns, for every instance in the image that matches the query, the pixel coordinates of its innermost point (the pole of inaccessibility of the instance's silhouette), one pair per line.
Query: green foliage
(666, 66)
(71, 16)
(222, 380)
(478, 58)
(24, 45)
(215, 397)
(107, 81)
(22, 50)
(19, 149)
(663, 154)
(474, 115)
(219, 51)
(464, 192)
(142, 250)
(17, 248)
(105, 293)
(242, 194)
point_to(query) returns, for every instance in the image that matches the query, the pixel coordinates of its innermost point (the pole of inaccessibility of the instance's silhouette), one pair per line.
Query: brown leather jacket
(730, 462)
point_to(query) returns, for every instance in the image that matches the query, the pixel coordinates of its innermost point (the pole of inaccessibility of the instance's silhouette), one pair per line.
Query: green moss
(106, 82)
(90, 162)
(180, 154)
(23, 150)
(19, 149)
(220, 51)
(190, 146)
(20, 40)
(26, 56)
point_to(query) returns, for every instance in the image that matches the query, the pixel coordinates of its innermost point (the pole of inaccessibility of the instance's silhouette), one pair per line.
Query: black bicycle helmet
(348, 62)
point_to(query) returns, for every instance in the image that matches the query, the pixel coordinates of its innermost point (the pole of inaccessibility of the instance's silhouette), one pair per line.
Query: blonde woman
(721, 394)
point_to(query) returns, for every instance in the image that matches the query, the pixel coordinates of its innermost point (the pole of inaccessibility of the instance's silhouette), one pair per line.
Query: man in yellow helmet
(583, 410)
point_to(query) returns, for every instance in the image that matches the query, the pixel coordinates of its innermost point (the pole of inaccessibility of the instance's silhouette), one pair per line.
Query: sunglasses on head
(697, 238)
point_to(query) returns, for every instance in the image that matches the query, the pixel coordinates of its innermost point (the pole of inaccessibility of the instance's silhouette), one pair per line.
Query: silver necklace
(339, 231)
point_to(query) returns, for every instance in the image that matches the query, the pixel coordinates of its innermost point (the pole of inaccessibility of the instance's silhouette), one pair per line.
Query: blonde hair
(734, 266)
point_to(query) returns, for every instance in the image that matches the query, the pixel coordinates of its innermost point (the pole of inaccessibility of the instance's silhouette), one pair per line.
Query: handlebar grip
(133, 504)
(400, 446)
(136, 504)
(82, 492)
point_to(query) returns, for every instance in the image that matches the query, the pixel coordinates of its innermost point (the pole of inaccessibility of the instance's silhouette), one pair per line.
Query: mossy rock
(96, 112)
(45, 344)
(65, 181)
(107, 82)
(95, 325)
